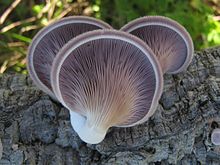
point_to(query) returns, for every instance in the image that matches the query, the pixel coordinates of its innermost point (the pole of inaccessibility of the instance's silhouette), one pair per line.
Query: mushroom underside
(168, 39)
(106, 77)
(110, 82)
(167, 44)
(51, 43)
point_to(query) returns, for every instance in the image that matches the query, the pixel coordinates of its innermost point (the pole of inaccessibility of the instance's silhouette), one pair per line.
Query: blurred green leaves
(37, 8)
(20, 20)
(195, 15)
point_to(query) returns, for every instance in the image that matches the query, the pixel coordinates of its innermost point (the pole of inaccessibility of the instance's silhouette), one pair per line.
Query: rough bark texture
(36, 130)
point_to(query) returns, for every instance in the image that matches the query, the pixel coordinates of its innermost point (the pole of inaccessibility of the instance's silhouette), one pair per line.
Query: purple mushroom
(106, 78)
(47, 43)
(170, 41)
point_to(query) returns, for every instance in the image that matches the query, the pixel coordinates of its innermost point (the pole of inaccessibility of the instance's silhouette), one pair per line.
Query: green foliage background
(200, 17)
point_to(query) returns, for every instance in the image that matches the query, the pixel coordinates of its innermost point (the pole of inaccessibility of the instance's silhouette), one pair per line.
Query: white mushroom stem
(77, 120)
(87, 132)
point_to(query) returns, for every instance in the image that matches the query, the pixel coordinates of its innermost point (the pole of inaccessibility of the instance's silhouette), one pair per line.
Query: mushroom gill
(106, 78)
(47, 43)
(170, 41)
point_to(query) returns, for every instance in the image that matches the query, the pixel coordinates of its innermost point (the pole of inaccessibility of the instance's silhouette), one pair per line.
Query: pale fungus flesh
(215, 136)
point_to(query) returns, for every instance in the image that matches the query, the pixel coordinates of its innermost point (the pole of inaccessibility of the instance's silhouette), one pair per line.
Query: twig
(3, 67)
(16, 44)
(61, 15)
(28, 28)
(51, 9)
(18, 23)
(8, 11)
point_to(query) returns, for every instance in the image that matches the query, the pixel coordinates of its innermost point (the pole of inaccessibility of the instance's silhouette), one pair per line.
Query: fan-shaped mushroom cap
(106, 78)
(50, 40)
(169, 40)
(215, 137)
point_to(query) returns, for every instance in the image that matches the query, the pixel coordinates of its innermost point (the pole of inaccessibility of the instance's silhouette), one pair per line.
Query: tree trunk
(36, 130)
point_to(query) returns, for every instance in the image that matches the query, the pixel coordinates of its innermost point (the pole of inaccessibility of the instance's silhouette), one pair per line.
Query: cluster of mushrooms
(107, 77)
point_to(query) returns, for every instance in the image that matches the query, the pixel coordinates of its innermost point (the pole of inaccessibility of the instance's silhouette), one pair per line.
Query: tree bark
(34, 129)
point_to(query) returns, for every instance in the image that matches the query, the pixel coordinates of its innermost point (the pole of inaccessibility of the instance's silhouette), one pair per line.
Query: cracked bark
(36, 130)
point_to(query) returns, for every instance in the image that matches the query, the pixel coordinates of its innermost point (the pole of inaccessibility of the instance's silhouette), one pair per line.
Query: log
(34, 129)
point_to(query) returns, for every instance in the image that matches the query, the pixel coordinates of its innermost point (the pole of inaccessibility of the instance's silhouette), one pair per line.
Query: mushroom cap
(106, 78)
(168, 39)
(215, 137)
(50, 40)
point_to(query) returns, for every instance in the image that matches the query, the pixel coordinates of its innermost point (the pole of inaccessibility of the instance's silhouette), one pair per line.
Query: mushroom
(215, 137)
(170, 41)
(106, 78)
(47, 43)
